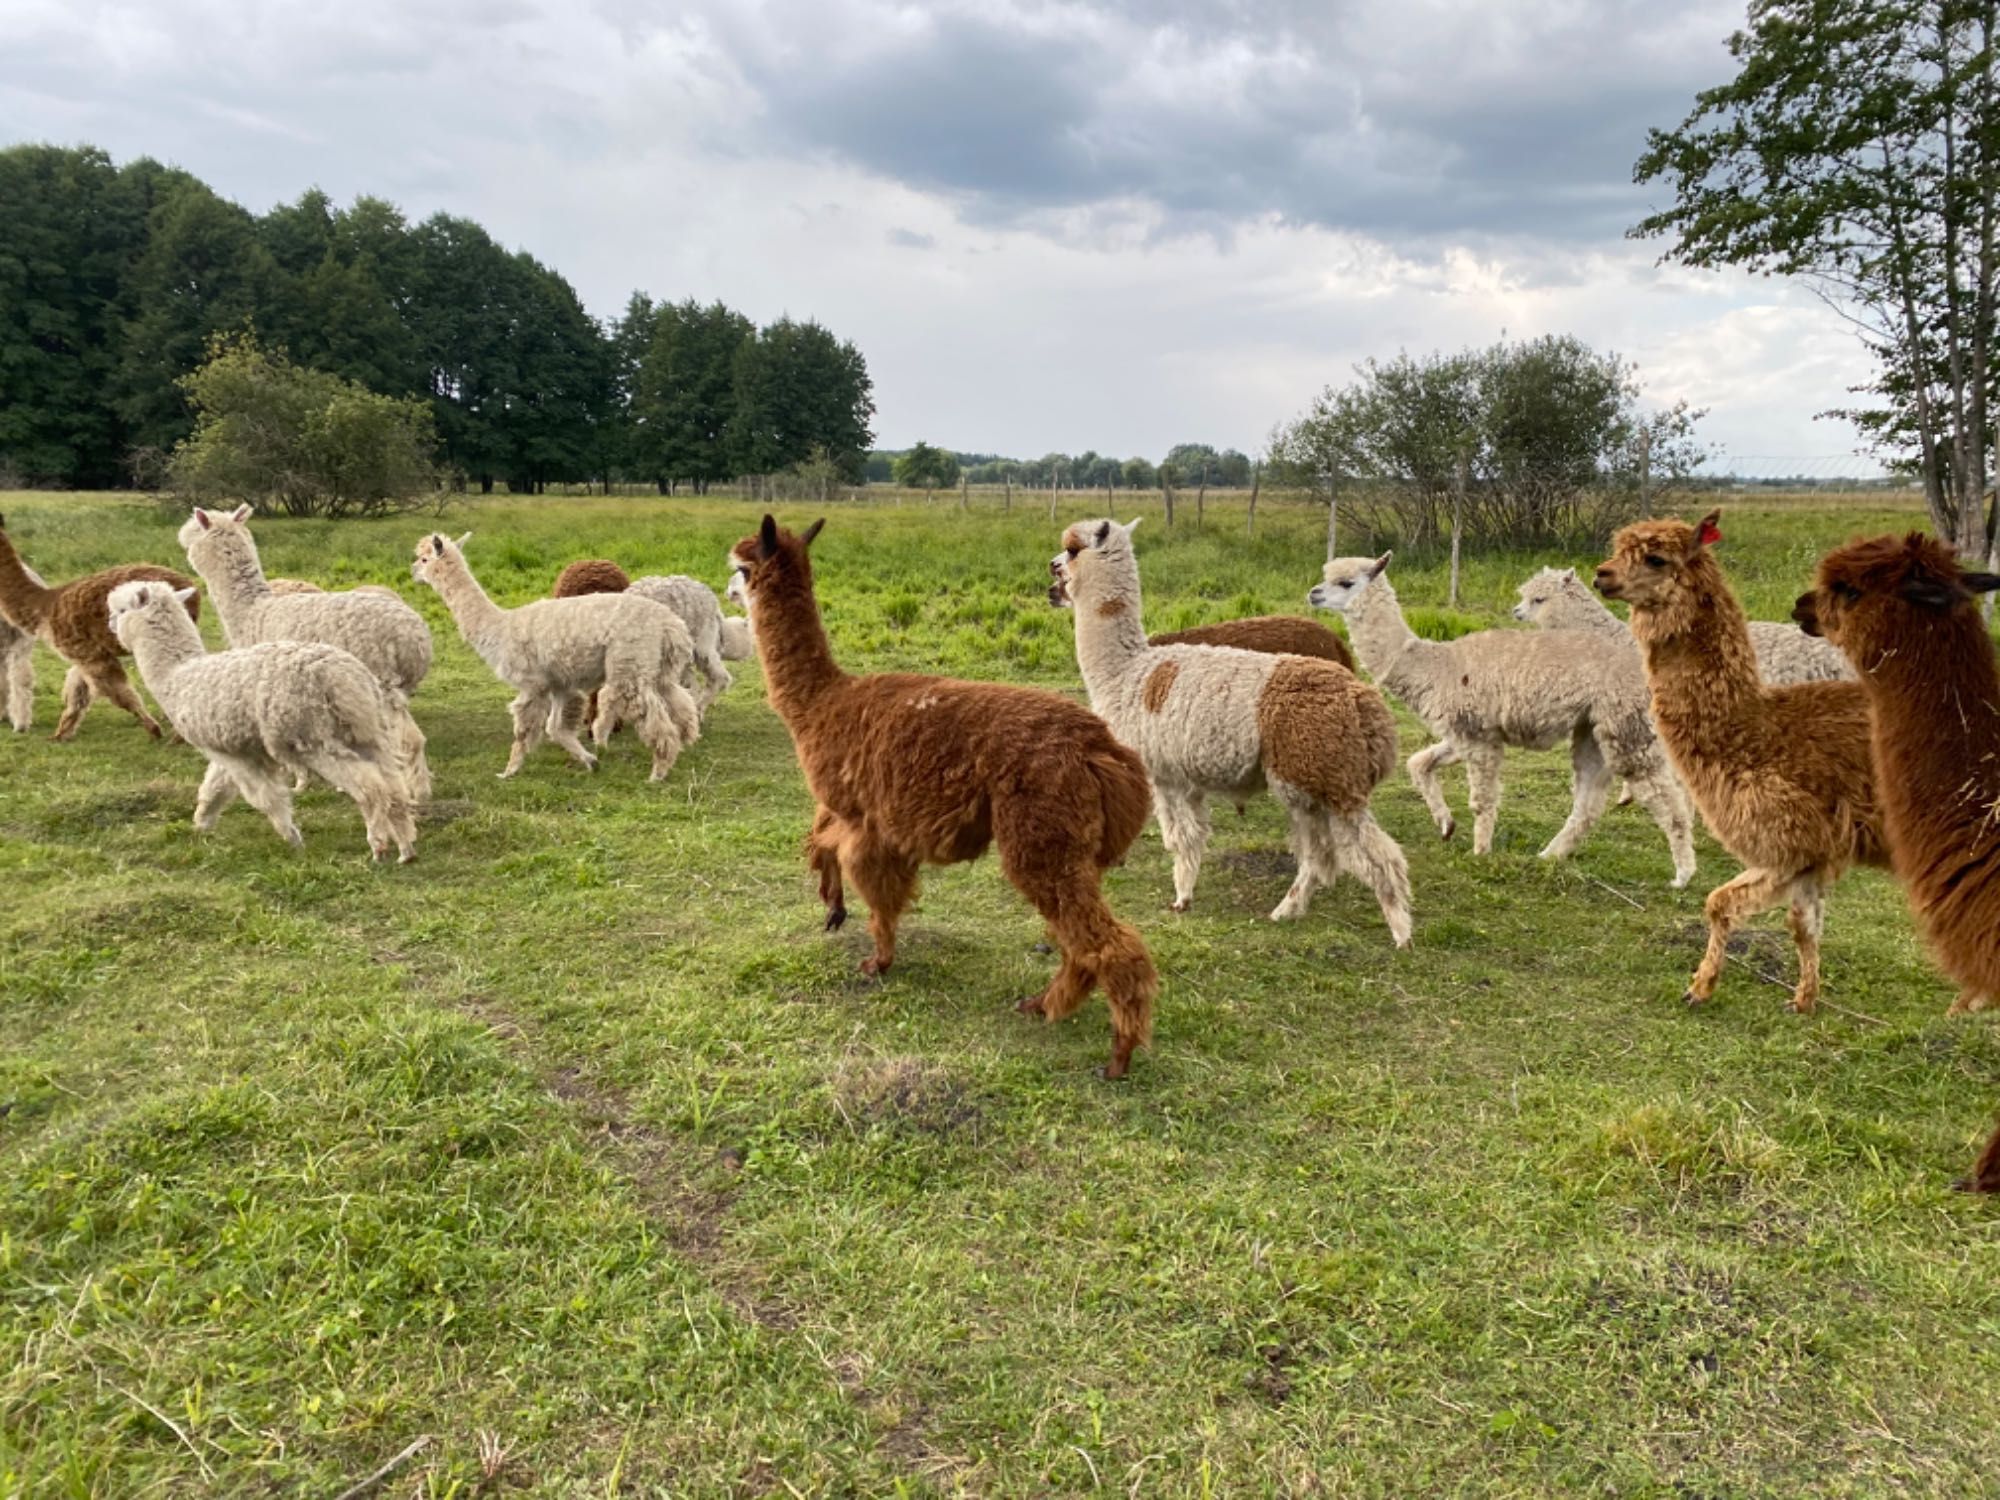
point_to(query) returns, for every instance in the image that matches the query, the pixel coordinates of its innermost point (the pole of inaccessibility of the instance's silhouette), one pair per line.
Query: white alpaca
(695, 602)
(1532, 690)
(17, 667)
(385, 634)
(630, 651)
(739, 633)
(1213, 720)
(259, 712)
(1556, 599)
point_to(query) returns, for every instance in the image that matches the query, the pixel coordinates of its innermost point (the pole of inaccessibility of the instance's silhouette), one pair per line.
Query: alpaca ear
(139, 597)
(1103, 533)
(1569, 572)
(184, 595)
(767, 536)
(460, 543)
(1929, 591)
(202, 516)
(240, 514)
(1981, 583)
(1375, 569)
(1708, 531)
(812, 531)
(1132, 525)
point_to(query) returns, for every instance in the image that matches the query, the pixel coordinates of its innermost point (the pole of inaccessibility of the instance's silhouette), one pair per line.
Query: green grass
(577, 1138)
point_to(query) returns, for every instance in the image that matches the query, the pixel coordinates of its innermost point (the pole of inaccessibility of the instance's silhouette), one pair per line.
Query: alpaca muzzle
(1805, 614)
(1606, 583)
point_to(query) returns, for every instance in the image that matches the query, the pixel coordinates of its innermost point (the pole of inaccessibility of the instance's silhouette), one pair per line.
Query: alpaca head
(129, 602)
(1096, 556)
(435, 555)
(1542, 591)
(1662, 566)
(214, 524)
(1344, 580)
(1868, 594)
(769, 558)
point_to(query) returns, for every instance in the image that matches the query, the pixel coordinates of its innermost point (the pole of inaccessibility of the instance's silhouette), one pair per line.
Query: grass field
(578, 1149)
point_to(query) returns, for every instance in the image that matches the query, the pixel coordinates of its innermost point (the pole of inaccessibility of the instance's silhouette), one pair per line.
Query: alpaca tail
(737, 642)
(1124, 795)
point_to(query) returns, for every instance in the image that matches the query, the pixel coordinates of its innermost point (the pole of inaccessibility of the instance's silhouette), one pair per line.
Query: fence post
(1256, 479)
(1053, 474)
(964, 487)
(1458, 514)
(1646, 473)
(1009, 476)
(1332, 478)
(1200, 496)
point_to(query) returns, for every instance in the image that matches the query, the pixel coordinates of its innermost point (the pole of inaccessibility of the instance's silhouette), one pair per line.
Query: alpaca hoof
(874, 967)
(1284, 911)
(836, 918)
(1690, 999)
(1799, 1007)
(1181, 904)
(407, 857)
(1680, 882)
(1973, 1185)
(1030, 1005)
(1404, 945)
(1447, 828)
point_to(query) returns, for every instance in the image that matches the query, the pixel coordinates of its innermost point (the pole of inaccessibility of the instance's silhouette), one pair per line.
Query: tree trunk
(1332, 514)
(1646, 473)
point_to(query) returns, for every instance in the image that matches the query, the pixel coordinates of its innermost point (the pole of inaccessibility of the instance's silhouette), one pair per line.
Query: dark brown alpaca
(1909, 620)
(1276, 635)
(74, 622)
(911, 770)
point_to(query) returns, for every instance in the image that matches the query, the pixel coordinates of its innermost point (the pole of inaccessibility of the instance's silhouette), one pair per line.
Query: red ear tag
(1709, 534)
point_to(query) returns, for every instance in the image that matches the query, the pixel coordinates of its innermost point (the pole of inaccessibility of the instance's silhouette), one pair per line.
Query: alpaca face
(1344, 580)
(432, 550)
(129, 601)
(1539, 592)
(757, 560)
(1082, 558)
(204, 522)
(1653, 563)
(1868, 593)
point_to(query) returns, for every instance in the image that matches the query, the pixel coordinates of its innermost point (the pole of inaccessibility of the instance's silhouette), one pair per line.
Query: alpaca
(590, 575)
(552, 651)
(71, 622)
(690, 598)
(1218, 719)
(1493, 689)
(1782, 776)
(285, 586)
(384, 634)
(1556, 599)
(909, 771)
(1907, 616)
(17, 667)
(738, 644)
(259, 711)
(1278, 634)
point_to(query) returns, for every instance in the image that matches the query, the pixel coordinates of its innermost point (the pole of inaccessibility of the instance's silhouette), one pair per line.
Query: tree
(925, 468)
(1188, 462)
(687, 393)
(1858, 149)
(298, 440)
(1140, 474)
(1550, 429)
(797, 387)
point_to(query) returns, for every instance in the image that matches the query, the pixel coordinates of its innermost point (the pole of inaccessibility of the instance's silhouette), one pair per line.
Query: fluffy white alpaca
(739, 633)
(385, 634)
(1556, 599)
(1532, 690)
(258, 712)
(1214, 720)
(695, 602)
(17, 667)
(630, 651)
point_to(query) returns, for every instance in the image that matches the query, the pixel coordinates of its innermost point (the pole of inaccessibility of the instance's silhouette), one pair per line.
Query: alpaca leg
(380, 793)
(21, 686)
(1184, 830)
(75, 702)
(218, 790)
(1807, 919)
(1970, 1000)
(529, 713)
(108, 680)
(264, 789)
(1589, 792)
(887, 881)
(823, 858)
(1423, 768)
(1365, 850)
(1312, 849)
(1660, 793)
(1727, 906)
(416, 764)
(1482, 769)
(559, 731)
(718, 676)
(1985, 1176)
(662, 735)
(682, 709)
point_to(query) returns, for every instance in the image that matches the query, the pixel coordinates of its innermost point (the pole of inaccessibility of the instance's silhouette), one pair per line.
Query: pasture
(579, 1149)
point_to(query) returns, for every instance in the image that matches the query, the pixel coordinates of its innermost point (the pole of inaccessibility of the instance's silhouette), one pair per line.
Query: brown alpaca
(1782, 775)
(911, 770)
(1909, 620)
(590, 575)
(1276, 635)
(74, 622)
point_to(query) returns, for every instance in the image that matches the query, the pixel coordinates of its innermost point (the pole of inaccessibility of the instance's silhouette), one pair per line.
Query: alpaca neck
(1383, 640)
(1942, 685)
(1109, 634)
(1701, 666)
(22, 599)
(480, 620)
(235, 578)
(791, 641)
(163, 646)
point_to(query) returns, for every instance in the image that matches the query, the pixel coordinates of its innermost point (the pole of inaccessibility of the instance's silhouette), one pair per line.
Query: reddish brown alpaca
(911, 770)
(1276, 635)
(1782, 775)
(1909, 620)
(74, 622)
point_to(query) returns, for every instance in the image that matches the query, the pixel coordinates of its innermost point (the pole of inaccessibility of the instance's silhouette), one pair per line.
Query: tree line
(922, 466)
(116, 280)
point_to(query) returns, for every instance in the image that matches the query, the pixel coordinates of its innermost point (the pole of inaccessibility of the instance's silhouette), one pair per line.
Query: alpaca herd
(1867, 733)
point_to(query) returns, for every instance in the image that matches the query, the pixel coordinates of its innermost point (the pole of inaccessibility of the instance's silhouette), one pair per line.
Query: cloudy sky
(1112, 224)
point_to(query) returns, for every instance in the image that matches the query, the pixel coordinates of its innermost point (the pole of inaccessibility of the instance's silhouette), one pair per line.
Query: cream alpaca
(695, 603)
(1531, 690)
(385, 634)
(1556, 599)
(553, 651)
(258, 712)
(1215, 720)
(17, 667)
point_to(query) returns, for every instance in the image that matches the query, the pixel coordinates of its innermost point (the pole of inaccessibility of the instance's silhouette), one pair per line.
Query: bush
(298, 440)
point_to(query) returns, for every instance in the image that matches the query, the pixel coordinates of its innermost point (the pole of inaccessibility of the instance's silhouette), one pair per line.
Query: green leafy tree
(925, 468)
(1187, 463)
(797, 387)
(687, 394)
(1140, 474)
(297, 440)
(1858, 149)
(348, 280)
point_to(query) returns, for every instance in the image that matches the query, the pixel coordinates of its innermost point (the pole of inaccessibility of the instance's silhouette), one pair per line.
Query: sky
(1047, 224)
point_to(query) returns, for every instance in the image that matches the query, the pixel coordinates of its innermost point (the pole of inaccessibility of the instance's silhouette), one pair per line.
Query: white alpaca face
(738, 591)
(201, 522)
(1539, 592)
(433, 549)
(1344, 580)
(1081, 543)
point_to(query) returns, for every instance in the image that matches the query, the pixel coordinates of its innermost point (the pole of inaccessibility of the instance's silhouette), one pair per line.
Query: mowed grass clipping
(578, 1149)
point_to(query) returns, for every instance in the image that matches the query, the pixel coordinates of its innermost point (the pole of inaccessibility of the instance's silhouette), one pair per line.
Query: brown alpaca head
(1868, 595)
(772, 558)
(1662, 567)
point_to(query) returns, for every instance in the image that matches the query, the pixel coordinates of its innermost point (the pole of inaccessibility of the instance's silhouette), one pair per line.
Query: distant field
(578, 1141)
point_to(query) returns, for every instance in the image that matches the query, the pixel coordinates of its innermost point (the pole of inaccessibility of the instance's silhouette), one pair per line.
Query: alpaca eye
(1847, 593)
(1072, 550)
(1654, 560)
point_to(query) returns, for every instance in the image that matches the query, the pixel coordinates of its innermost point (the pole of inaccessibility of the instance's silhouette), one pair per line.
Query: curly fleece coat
(261, 712)
(1218, 721)
(1286, 635)
(72, 622)
(1783, 776)
(690, 598)
(911, 770)
(1531, 690)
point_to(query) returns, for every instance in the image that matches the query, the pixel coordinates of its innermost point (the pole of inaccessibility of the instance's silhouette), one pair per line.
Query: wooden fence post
(1256, 479)
(1200, 497)
(1458, 514)
(1332, 477)
(964, 487)
(1167, 492)
(1009, 476)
